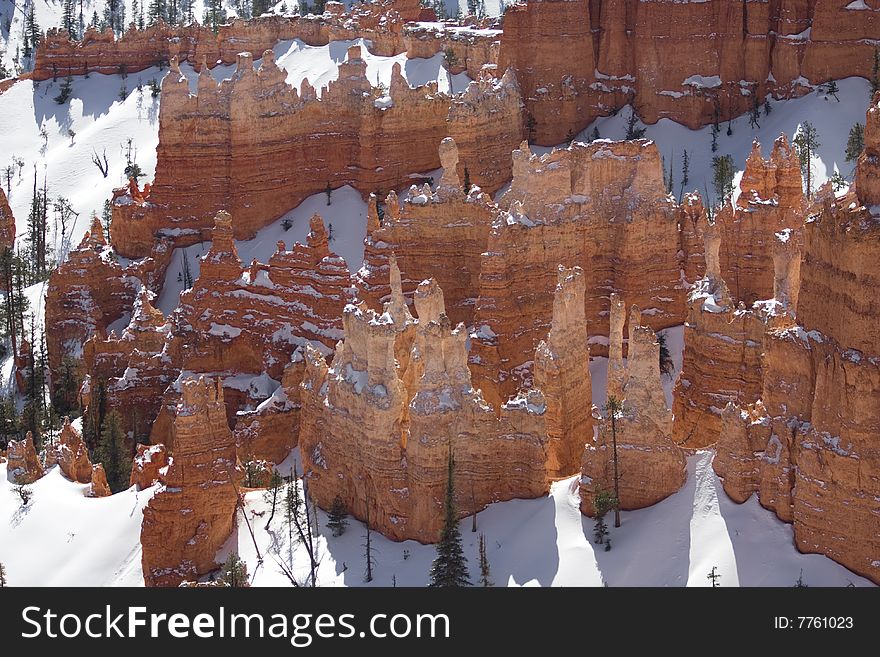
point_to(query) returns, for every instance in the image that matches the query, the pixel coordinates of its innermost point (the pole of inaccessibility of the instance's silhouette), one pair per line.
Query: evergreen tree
(800, 583)
(233, 573)
(451, 61)
(32, 33)
(855, 143)
(605, 501)
(670, 182)
(337, 518)
(114, 453)
(467, 181)
(450, 566)
(594, 135)
(8, 421)
(156, 11)
(729, 128)
(614, 411)
(755, 112)
(722, 176)
(715, 131)
(215, 14)
(259, 7)
(2, 576)
(485, 573)
(114, 16)
(68, 18)
(685, 173)
(838, 182)
(273, 493)
(368, 550)
(767, 107)
(805, 142)
(328, 191)
(632, 130)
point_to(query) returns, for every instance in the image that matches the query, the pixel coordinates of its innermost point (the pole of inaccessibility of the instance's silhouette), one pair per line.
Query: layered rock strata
(601, 207)
(193, 511)
(378, 425)
(438, 234)
(693, 62)
(148, 465)
(650, 465)
(246, 125)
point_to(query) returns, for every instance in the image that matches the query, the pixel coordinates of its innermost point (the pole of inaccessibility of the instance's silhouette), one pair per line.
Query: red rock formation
(600, 207)
(771, 200)
(248, 124)
(377, 425)
(22, 463)
(98, 486)
(650, 465)
(7, 222)
(438, 234)
(148, 465)
(577, 60)
(90, 291)
(193, 512)
(72, 455)
(271, 430)
(812, 454)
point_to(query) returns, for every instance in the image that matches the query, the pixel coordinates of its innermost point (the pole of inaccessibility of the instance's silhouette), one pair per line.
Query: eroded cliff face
(193, 511)
(809, 448)
(439, 234)
(246, 125)
(601, 207)
(379, 23)
(71, 455)
(687, 61)
(90, 291)
(650, 465)
(378, 424)
(755, 244)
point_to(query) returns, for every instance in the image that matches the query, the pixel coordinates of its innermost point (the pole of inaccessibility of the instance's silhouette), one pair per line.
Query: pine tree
(670, 182)
(805, 142)
(467, 181)
(685, 173)
(800, 583)
(68, 18)
(113, 452)
(368, 546)
(614, 411)
(233, 573)
(259, 7)
(831, 89)
(755, 112)
(604, 502)
(215, 14)
(485, 573)
(2, 576)
(328, 191)
(715, 131)
(855, 143)
(450, 566)
(337, 518)
(722, 176)
(273, 491)
(594, 135)
(32, 33)
(632, 130)
(666, 364)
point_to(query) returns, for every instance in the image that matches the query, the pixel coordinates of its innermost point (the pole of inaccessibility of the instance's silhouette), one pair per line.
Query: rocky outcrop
(7, 222)
(148, 465)
(650, 465)
(771, 200)
(809, 449)
(687, 61)
(98, 486)
(379, 23)
(271, 430)
(378, 425)
(438, 234)
(87, 293)
(724, 335)
(22, 463)
(601, 207)
(193, 511)
(72, 455)
(351, 135)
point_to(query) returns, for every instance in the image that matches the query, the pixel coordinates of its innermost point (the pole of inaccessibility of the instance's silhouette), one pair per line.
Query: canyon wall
(691, 62)
(601, 207)
(380, 423)
(809, 447)
(231, 137)
(439, 234)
